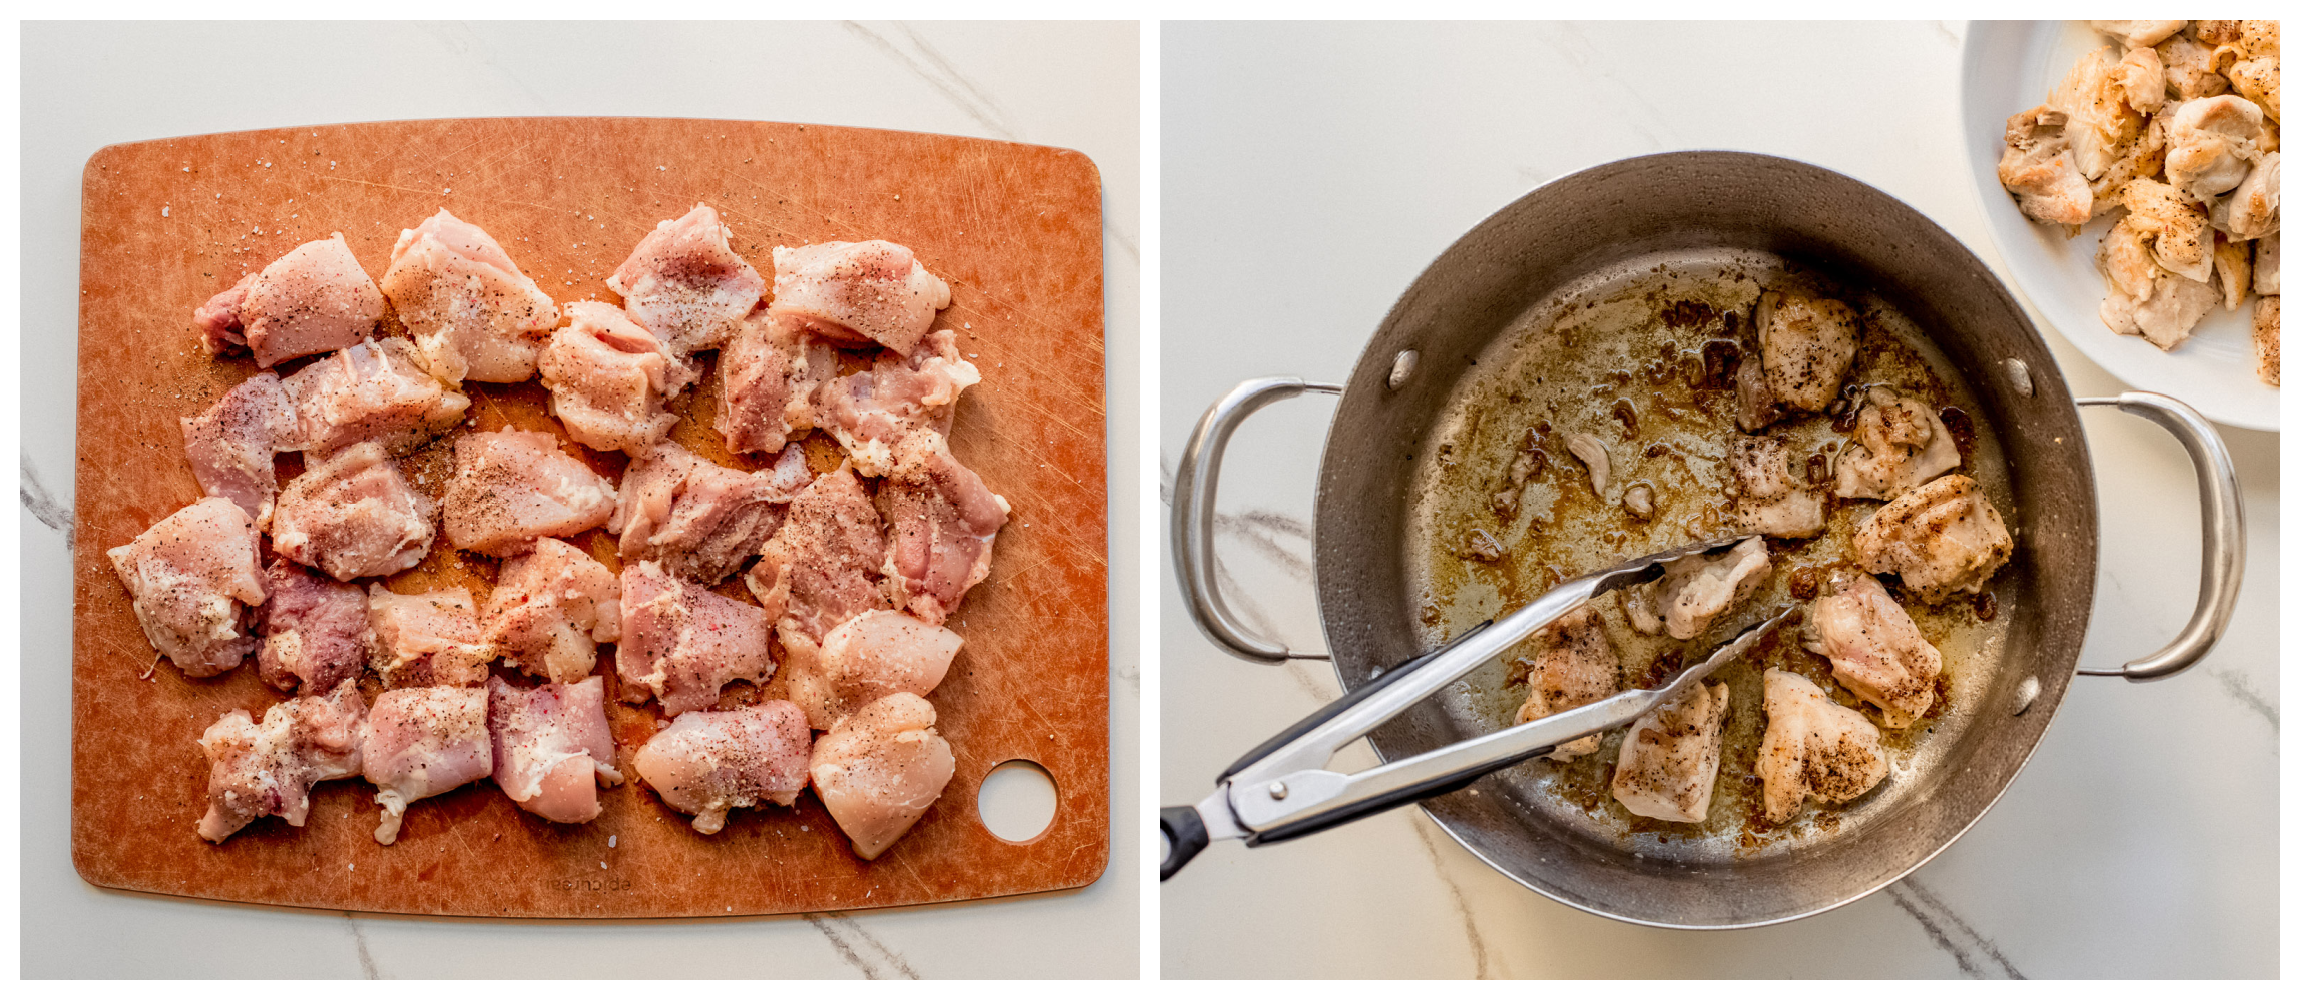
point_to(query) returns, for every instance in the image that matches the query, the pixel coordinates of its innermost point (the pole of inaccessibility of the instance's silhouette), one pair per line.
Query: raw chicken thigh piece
(685, 285)
(821, 567)
(2213, 144)
(314, 629)
(1668, 765)
(1898, 444)
(879, 769)
(1813, 747)
(699, 519)
(1874, 648)
(268, 770)
(870, 656)
(371, 391)
(552, 748)
(859, 292)
(353, 515)
(872, 412)
(2138, 33)
(1768, 497)
(941, 520)
(2099, 120)
(2250, 211)
(472, 313)
(2039, 170)
(707, 763)
(231, 445)
(425, 640)
(1942, 538)
(313, 300)
(551, 608)
(194, 582)
(608, 380)
(681, 643)
(1805, 347)
(1577, 665)
(773, 370)
(1696, 590)
(420, 742)
(512, 487)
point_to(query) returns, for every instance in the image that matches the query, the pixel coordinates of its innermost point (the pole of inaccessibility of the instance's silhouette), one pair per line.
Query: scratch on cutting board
(858, 948)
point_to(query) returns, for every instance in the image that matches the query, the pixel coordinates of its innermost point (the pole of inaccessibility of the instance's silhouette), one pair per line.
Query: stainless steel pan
(1696, 203)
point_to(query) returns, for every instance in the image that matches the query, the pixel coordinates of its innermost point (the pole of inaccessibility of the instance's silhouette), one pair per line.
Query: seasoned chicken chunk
(353, 515)
(1805, 348)
(268, 770)
(2267, 264)
(857, 293)
(2040, 171)
(231, 445)
(1697, 590)
(870, 656)
(1577, 665)
(773, 371)
(1899, 443)
(1813, 747)
(2250, 211)
(699, 519)
(1942, 538)
(681, 643)
(2231, 269)
(428, 639)
(2138, 33)
(608, 380)
(421, 742)
(552, 748)
(372, 391)
(1668, 764)
(2213, 144)
(2188, 69)
(2100, 122)
(2260, 80)
(685, 285)
(942, 521)
(2267, 339)
(872, 412)
(822, 566)
(194, 583)
(551, 608)
(708, 763)
(1768, 496)
(312, 300)
(879, 770)
(314, 629)
(473, 314)
(1874, 648)
(512, 487)
(2178, 234)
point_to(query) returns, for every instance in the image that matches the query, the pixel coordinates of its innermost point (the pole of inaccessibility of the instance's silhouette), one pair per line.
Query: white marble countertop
(1309, 173)
(88, 85)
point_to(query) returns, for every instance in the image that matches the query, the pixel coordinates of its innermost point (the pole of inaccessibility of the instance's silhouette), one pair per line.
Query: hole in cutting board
(1016, 800)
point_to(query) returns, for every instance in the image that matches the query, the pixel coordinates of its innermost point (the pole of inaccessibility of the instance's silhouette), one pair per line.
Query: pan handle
(1193, 528)
(2223, 516)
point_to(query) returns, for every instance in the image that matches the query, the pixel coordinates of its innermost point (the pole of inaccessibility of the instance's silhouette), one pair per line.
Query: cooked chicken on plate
(268, 770)
(1805, 346)
(1899, 443)
(1769, 497)
(2040, 170)
(472, 312)
(879, 770)
(706, 764)
(552, 748)
(313, 300)
(1669, 756)
(2139, 33)
(421, 742)
(1697, 590)
(1942, 538)
(1577, 665)
(1813, 748)
(194, 583)
(1874, 648)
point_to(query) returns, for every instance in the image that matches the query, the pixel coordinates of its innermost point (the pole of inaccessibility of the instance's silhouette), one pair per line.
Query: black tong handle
(1185, 837)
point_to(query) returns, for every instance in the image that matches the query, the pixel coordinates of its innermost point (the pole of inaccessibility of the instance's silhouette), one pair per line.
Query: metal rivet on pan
(2017, 370)
(1277, 789)
(2026, 695)
(1402, 368)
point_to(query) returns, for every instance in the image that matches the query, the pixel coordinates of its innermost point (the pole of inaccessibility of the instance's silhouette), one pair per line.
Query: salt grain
(163, 211)
(610, 840)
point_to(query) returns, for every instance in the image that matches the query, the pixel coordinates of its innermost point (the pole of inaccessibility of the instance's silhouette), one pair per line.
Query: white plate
(2010, 66)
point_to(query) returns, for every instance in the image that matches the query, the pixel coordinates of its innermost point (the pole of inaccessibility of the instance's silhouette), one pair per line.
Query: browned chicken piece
(2259, 80)
(1813, 748)
(1874, 648)
(2126, 260)
(314, 629)
(313, 300)
(1805, 348)
(2144, 299)
(870, 656)
(551, 607)
(268, 770)
(2040, 171)
(609, 378)
(2213, 144)
(194, 583)
(1942, 538)
(231, 445)
(2100, 122)
(2176, 229)
(1577, 665)
(1668, 765)
(2138, 79)
(2231, 269)
(2138, 33)
(472, 313)
(1769, 497)
(872, 412)
(353, 515)
(2188, 69)
(773, 371)
(681, 643)
(2251, 211)
(426, 640)
(1898, 444)
(2267, 341)
(2142, 157)
(512, 487)
(941, 523)
(879, 770)
(699, 519)
(372, 391)
(822, 566)
(1697, 590)
(707, 764)
(685, 285)
(2267, 264)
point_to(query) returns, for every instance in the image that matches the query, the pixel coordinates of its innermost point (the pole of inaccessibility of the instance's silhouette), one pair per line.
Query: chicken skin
(1942, 538)
(1813, 748)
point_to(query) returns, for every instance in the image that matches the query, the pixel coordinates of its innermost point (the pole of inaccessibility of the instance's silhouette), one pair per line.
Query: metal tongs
(1281, 790)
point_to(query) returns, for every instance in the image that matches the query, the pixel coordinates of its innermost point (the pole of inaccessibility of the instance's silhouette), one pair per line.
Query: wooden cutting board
(1015, 229)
